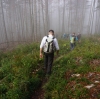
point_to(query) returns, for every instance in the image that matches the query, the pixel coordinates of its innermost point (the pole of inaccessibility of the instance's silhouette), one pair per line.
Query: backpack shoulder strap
(47, 38)
(54, 37)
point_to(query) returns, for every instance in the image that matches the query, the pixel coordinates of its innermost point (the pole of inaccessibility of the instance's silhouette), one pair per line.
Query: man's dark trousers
(48, 61)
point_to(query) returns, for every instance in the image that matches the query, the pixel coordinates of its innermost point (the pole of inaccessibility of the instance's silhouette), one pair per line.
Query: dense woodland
(29, 20)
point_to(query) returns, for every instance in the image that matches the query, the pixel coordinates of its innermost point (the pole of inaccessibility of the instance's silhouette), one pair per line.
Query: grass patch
(20, 72)
(62, 84)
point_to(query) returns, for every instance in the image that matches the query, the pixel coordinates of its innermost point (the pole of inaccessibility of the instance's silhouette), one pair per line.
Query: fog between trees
(30, 20)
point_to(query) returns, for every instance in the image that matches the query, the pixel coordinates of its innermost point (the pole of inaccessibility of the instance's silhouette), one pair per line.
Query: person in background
(48, 57)
(64, 35)
(72, 41)
(78, 37)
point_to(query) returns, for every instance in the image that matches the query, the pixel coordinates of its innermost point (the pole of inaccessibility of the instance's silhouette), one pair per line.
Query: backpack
(49, 46)
(72, 39)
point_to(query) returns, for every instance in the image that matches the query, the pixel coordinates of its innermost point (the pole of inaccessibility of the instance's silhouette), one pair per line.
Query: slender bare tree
(63, 18)
(4, 24)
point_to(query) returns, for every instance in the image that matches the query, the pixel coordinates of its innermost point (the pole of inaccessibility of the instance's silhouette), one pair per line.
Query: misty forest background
(29, 20)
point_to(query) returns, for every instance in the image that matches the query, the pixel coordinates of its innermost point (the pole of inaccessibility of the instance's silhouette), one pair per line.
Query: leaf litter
(93, 88)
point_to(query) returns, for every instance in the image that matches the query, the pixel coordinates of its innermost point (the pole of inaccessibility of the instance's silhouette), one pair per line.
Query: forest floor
(39, 93)
(89, 80)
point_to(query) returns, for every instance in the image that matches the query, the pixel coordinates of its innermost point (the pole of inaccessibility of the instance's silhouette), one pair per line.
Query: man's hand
(41, 55)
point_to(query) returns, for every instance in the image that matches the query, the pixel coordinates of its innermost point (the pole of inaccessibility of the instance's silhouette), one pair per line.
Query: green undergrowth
(62, 84)
(20, 72)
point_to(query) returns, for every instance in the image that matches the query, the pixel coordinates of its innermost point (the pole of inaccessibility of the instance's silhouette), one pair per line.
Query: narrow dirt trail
(39, 93)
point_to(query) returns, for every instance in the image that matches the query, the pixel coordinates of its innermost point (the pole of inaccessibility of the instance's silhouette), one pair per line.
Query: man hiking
(48, 46)
(72, 41)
